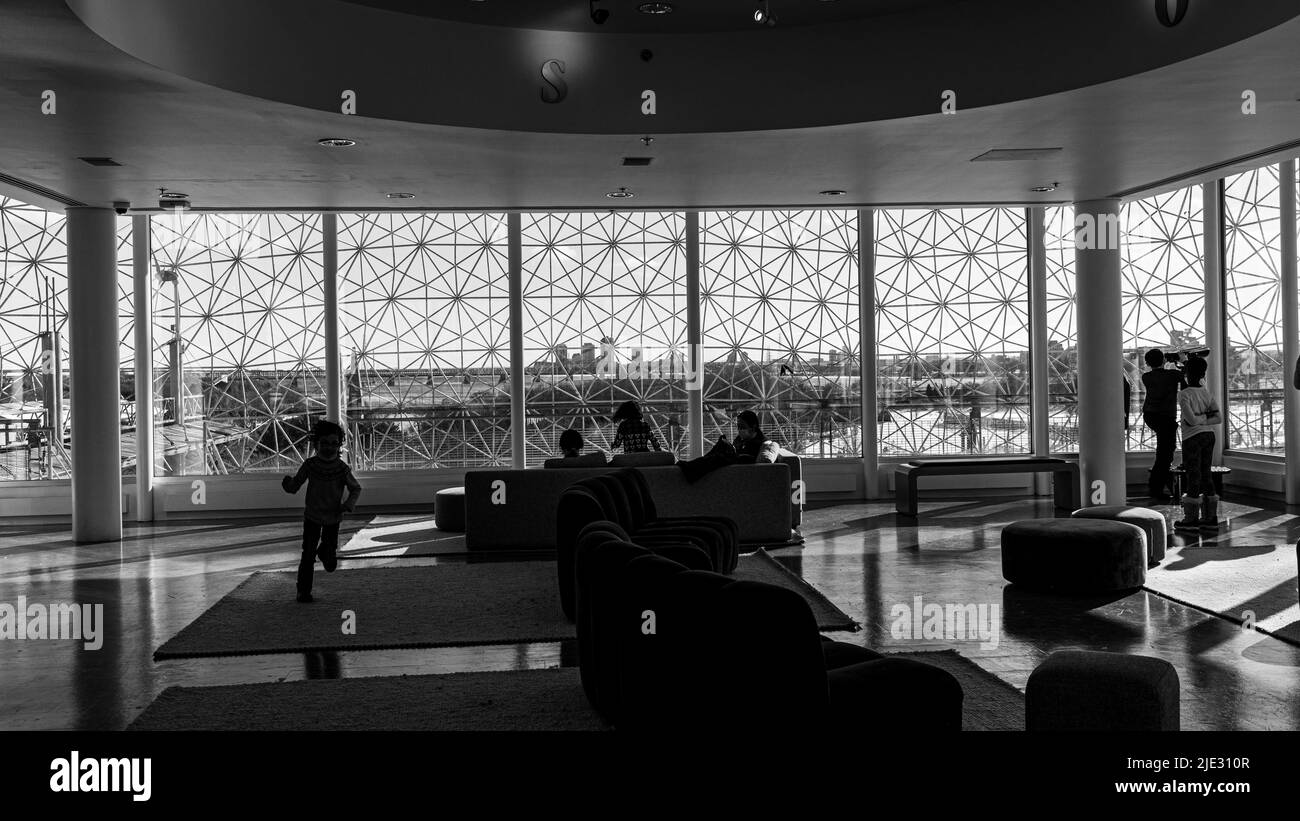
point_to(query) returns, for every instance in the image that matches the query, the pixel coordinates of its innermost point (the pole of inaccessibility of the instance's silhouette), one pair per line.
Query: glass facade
(604, 308)
(781, 327)
(952, 332)
(1162, 299)
(1257, 376)
(424, 334)
(424, 330)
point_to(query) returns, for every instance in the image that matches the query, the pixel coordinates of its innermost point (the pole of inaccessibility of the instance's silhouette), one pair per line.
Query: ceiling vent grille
(1016, 154)
(637, 160)
(101, 161)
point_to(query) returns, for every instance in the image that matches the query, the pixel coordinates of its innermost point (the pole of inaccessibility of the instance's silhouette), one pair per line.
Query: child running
(326, 475)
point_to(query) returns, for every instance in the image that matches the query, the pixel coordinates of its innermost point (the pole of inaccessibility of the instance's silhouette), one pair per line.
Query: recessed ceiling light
(655, 8)
(620, 194)
(173, 195)
(1042, 189)
(400, 195)
(832, 192)
(336, 142)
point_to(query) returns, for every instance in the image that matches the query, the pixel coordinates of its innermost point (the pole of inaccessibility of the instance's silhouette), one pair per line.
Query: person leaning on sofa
(751, 444)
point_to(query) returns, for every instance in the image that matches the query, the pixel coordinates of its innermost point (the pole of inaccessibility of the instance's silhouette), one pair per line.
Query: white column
(518, 422)
(694, 341)
(1216, 375)
(96, 416)
(141, 246)
(1040, 379)
(1290, 328)
(1101, 351)
(867, 347)
(333, 362)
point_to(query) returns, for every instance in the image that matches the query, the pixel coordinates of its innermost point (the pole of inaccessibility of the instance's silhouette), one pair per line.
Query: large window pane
(604, 322)
(1162, 300)
(952, 328)
(781, 327)
(240, 374)
(1164, 287)
(35, 342)
(1062, 334)
(424, 305)
(1257, 376)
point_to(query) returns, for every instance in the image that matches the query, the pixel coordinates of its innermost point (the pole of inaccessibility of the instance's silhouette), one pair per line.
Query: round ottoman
(1152, 523)
(1097, 691)
(1074, 555)
(449, 510)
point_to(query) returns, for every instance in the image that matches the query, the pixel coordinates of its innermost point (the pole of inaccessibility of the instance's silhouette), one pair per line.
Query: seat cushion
(1074, 555)
(653, 458)
(1152, 523)
(586, 460)
(1099, 691)
(449, 510)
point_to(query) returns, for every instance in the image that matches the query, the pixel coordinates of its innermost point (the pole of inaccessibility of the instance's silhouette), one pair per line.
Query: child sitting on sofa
(634, 433)
(751, 444)
(571, 444)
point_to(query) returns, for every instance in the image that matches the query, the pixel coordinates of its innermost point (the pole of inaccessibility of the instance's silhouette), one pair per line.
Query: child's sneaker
(328, 557)
(305, 598)
(1191, 514)
(1210, 514)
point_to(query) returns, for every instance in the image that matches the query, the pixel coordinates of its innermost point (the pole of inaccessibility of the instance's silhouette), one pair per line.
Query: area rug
(524, 700)
(1255, 584)
(988, 702)
(521, 701)
(442, 605)
(407, 536)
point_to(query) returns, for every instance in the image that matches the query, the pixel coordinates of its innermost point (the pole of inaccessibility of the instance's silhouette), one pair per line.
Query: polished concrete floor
(862, 556)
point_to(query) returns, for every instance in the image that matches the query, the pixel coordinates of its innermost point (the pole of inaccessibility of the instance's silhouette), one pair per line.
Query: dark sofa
(516, 509)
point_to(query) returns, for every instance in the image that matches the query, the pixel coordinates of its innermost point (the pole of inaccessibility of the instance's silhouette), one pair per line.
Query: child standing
(1200, 421)
(326, 475)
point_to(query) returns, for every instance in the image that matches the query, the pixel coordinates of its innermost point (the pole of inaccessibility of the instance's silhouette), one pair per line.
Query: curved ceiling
(435, 70)
(1158, 130)
(685, 17)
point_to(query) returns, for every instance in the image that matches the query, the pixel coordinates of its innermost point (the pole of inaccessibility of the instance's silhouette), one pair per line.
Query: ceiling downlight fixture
(1043, 189)
(336, 142)
(400, 195)
(833, 192)
(620, 194)
(655, 8)
(763, 14)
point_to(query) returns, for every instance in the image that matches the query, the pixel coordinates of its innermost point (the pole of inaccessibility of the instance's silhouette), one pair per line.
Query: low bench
(1065, 477)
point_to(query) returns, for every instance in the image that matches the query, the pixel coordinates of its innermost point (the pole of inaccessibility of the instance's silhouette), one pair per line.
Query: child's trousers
(314, 535)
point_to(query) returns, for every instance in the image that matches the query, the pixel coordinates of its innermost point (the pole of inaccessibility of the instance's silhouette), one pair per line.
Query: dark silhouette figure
(1160, 413)
(751, 444)
(634, 434)
(571, 443)
(326, 477)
